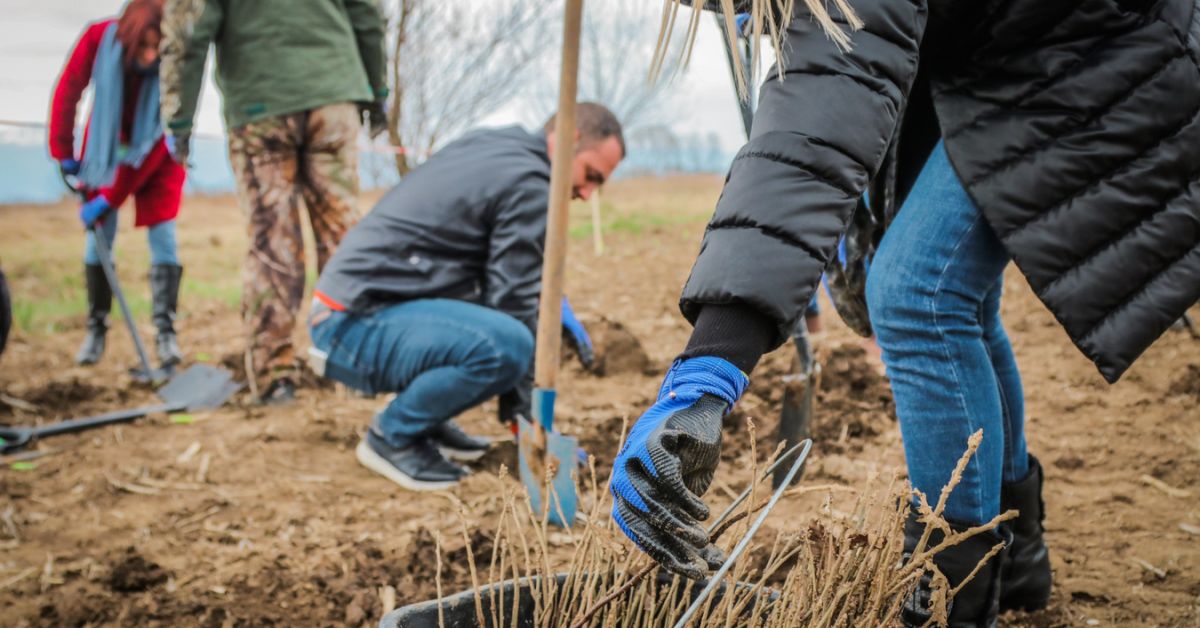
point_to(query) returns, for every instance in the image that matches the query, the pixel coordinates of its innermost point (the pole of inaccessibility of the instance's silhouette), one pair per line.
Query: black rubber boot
(978, 603)
(99, 297)
(1025, 574)
(164, 292)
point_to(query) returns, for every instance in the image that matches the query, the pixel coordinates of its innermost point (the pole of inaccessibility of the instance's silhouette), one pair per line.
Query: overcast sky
(36, 35)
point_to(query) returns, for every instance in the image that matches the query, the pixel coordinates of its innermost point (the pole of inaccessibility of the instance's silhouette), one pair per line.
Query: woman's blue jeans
(161, 238)
(934, 298)
(439, 356)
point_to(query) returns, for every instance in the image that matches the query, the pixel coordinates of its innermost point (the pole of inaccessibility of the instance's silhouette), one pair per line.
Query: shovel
(542, 450)
(201, 387)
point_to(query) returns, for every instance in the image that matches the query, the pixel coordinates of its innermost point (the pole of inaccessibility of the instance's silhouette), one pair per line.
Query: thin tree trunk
(396, 109)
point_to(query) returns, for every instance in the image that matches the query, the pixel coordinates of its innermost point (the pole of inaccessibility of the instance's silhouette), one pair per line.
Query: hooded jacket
(1074, 126)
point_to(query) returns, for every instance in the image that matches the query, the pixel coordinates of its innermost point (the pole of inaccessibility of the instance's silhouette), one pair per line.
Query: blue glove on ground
(93, 210)
(578, 336)
(668, 462)
(69, 166)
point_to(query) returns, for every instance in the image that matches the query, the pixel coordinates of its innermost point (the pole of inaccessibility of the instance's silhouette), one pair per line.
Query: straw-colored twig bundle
(839, 569)
(767, 17)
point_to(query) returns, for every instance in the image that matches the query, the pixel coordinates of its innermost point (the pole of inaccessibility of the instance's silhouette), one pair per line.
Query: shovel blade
(547, 460)
(200, 387)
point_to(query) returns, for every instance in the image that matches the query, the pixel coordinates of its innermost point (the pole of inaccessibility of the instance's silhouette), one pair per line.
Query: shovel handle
(100, 420)
(111, 275)
(549, 327)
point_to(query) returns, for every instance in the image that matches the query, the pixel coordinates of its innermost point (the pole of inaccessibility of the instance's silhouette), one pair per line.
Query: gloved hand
(374, 115)
(180, 147)
(668, 462)
(69, 166)
(578, 336)
(93, 210)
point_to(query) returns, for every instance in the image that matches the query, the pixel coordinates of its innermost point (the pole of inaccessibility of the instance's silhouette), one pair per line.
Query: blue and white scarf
(104, 151)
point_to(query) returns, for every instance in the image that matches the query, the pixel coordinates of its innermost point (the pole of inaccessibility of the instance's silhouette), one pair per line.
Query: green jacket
(273, 56)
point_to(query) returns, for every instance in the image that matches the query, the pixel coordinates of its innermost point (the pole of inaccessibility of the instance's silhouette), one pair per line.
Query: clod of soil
(131, 572)
(617, 349)
(1188, 382)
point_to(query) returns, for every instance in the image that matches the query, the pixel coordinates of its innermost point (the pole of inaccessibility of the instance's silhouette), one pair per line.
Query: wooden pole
(549, 329)
(597, 228)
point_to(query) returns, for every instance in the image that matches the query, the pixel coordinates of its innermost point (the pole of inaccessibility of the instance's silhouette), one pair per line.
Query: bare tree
(453, 62)
(619, 38)
(616, 51)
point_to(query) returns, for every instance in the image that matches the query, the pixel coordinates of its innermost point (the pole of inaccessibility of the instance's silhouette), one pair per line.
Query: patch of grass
(227, 292)
(635, 223)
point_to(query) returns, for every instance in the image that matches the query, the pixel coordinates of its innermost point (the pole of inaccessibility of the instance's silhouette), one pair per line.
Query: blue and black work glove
(93, 210)
(578, 336)
(669, 460)
(69, 167)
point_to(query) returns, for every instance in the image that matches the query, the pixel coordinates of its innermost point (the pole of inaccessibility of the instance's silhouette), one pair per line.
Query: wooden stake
(549, 334)
(597, 228)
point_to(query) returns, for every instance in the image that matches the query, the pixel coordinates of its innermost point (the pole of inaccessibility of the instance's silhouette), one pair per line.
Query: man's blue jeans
(439, 356)
(934, 297)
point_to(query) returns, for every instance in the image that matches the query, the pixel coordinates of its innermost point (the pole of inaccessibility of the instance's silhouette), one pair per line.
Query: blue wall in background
(28, 175)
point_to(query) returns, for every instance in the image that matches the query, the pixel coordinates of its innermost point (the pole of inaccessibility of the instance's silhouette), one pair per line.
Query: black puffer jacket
(1074, 126)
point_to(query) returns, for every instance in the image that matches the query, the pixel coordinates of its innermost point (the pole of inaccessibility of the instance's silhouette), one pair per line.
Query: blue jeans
(934, 298)
(161, 238)
(439, 356)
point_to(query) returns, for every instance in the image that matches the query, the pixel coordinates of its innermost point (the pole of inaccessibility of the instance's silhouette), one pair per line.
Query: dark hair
(138, 17)
(595, 123)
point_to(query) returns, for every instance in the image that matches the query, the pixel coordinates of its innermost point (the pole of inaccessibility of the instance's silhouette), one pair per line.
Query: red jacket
(157, 185)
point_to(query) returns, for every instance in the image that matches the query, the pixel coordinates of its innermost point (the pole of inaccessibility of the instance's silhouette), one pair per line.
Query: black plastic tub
(458, 610)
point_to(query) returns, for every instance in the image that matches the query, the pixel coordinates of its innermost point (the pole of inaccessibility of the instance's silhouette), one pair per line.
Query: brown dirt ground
(253, 516)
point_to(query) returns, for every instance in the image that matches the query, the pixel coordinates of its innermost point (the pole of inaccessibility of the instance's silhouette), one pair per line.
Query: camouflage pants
(278, 162)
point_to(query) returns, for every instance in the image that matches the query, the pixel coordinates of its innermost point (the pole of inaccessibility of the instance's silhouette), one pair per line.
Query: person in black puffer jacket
(1063, 136)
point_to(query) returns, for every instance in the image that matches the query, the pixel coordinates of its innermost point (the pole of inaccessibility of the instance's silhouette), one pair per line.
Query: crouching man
(434, 294)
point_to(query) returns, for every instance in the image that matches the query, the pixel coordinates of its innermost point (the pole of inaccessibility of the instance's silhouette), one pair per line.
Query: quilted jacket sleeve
(819, 136)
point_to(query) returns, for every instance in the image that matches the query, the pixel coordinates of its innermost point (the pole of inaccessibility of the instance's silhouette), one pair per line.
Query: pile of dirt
(617, 349)
(131, 573)
(69, 396)
(1187, 382)
(854, 402)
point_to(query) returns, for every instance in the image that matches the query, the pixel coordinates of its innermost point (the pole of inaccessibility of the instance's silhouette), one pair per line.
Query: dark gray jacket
(467, 224)
(1075, 127)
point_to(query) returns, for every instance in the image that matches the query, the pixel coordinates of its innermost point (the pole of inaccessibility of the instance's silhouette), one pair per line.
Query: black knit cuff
(736, 333)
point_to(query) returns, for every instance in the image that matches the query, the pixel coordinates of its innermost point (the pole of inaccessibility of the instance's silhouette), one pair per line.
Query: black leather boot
(99, 297)
(1025, 578)
(978, 603)
(164, 290)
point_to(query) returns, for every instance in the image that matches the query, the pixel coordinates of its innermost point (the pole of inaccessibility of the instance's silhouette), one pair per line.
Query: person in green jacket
(297, 78)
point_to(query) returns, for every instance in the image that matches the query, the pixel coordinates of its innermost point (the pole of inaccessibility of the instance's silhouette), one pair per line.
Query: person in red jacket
(124, 154)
